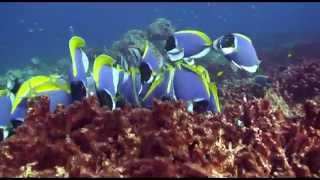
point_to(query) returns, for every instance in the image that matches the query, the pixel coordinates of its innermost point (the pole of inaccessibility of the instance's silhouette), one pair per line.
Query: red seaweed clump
(248, 139)
(298, 82)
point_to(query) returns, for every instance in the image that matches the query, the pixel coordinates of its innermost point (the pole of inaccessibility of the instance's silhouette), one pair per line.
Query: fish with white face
(239, 50)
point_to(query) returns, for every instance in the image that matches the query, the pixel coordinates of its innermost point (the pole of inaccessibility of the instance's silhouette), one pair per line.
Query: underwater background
(263, 124)
(43, 29)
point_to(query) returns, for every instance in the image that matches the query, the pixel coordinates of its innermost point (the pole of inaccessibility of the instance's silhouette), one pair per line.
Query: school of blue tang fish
(117, 81)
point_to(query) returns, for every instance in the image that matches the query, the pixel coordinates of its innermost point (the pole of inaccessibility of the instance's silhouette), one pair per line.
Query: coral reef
(298, 82)
(86, 140)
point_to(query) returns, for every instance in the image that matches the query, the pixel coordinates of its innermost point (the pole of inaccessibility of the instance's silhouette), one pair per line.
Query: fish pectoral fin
(176, 54)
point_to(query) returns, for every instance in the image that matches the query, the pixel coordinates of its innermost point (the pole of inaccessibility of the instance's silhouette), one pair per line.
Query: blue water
(42, 29)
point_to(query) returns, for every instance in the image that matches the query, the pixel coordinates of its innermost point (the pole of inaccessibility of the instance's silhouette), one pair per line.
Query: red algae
(86, 140)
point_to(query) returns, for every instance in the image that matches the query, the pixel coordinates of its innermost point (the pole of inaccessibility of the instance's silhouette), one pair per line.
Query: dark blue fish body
(161, 88)
(188, 86)
(130, 86)
(21, 111)
(5, 110)
(56, 98)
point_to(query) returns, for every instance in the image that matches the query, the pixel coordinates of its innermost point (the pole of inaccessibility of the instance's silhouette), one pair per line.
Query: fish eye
(170, 43)
(227, 41)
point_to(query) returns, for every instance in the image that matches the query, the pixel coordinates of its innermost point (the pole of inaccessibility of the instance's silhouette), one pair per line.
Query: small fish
(191, 44)
(220, 73)
(239, 50)
(290, 55)
(71, 30)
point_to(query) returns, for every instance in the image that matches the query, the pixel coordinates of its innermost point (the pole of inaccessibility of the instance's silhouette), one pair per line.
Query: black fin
(16, 86)
(78, 90)
(170, 43)
(1, 134)
(145, 72)
(104, 98)
(200, 106)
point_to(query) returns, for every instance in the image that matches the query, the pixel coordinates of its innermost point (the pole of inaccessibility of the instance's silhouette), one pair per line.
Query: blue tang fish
(80, 66)
(106, 77)
(150, 64)
(130, 86)
(188, 45)
(239, 50)
(52, 86)
(192, 84)
(6, 98)
(161, 88)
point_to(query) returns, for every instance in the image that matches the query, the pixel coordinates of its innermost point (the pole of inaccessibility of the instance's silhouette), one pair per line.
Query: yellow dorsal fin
(146, 49)
(74, 43)
(38, 84)
(154, 84)
(99, 62)
(204, 36)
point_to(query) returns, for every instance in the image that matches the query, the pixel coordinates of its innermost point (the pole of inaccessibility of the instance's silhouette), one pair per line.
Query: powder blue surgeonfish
(80, 66)
(161, 88)
(239, 50)
(52, 86)
(151, 63)
(188, 45)
(192, 85)
(6, 98)
(106, 78)
(130, 86)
